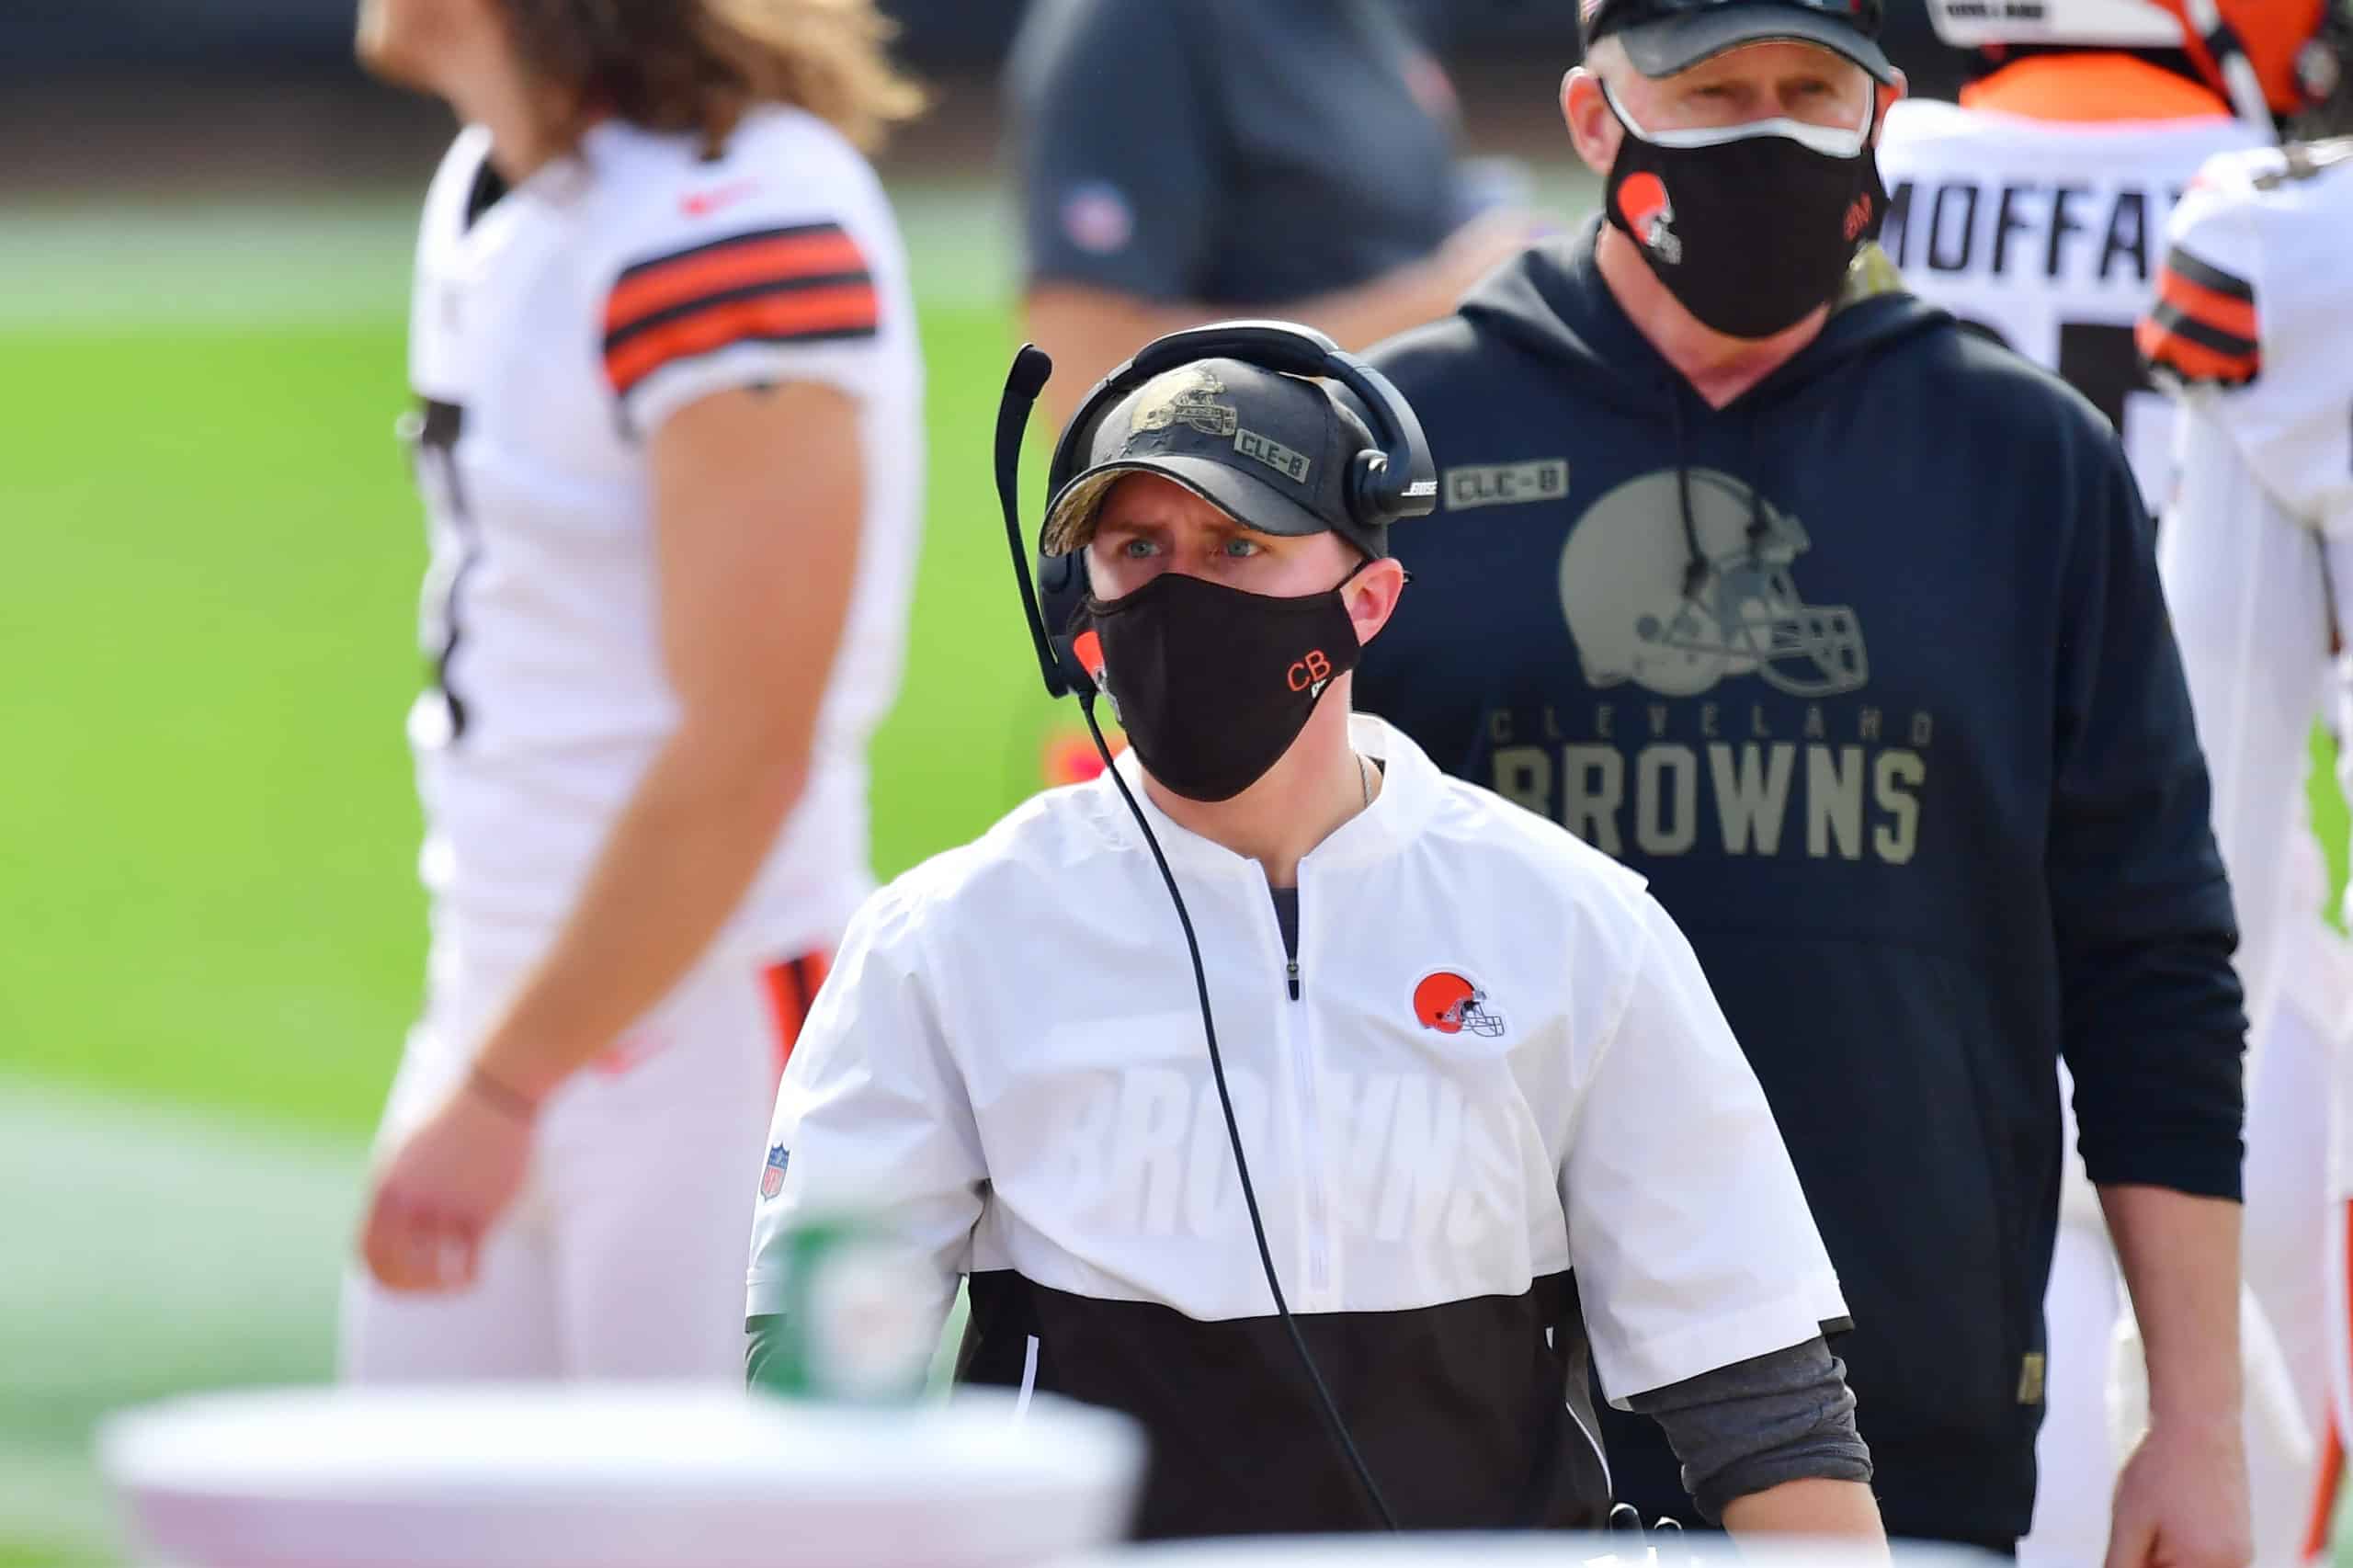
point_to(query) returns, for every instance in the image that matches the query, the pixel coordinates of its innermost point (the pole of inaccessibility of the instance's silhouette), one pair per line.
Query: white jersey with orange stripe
(555, 326)
(2045, 234)
(2253, 321)
(2252, 326)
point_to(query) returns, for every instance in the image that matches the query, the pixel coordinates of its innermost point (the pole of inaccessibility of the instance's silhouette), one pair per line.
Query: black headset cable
(1324, 1401)
(1026, 378)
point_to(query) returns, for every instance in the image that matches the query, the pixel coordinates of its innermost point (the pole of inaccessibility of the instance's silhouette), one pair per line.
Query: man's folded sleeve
(1787, 1416)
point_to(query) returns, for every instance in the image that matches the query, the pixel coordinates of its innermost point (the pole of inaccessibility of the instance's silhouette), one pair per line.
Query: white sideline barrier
(1524, 1550)
(558, 1476)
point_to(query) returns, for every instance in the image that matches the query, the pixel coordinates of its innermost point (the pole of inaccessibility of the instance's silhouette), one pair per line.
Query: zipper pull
(1292, 970)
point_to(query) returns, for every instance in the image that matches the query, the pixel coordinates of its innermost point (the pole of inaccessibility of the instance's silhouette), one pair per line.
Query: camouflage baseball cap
(1270, 450)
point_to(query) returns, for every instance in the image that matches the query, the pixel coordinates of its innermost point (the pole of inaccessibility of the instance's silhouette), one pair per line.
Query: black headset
(1386, 484)
(1390, 482)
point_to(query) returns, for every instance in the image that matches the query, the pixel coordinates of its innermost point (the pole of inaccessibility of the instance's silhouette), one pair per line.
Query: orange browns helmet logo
(1452, 1003)
(1649, 215)
(1089, 647)
(1858, 217)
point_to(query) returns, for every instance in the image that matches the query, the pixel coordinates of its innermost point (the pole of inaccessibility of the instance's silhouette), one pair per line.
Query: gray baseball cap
(1664, 37)
(1272, 451)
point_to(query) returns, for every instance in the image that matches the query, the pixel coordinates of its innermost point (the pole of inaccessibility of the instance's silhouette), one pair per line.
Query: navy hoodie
(1869, 673)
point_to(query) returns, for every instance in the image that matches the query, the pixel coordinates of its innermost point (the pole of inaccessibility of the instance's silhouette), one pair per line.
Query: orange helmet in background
(2266, 38)
(2272, 59)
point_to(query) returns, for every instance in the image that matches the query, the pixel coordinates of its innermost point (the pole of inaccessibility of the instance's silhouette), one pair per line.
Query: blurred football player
(2035, 211)
(2252, 327)
(669, 439)
(1183, 164)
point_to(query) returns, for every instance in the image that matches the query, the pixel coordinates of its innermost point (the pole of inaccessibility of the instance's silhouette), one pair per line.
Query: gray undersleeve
(1756, 1424)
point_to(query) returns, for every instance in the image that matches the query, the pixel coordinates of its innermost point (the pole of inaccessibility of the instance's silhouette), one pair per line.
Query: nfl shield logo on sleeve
(772, 1179)
(1098, 219)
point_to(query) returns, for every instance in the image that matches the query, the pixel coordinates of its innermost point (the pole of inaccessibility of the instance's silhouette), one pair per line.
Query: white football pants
(2095, 1391)
(624, 1257)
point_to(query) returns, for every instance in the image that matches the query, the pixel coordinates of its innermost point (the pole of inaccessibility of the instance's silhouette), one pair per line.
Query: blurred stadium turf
(206, 826)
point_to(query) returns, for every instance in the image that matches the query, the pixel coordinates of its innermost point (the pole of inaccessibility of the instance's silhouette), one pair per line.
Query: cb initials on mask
(1311, 671)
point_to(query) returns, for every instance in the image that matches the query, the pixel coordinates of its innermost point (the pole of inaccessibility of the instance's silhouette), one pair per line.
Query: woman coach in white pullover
(1478, 1076)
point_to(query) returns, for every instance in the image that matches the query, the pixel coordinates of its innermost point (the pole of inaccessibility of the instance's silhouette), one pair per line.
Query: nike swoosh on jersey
(804, 283)
(703, 203)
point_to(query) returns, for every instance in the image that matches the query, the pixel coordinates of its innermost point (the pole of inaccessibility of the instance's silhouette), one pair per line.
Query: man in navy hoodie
(1933, 819)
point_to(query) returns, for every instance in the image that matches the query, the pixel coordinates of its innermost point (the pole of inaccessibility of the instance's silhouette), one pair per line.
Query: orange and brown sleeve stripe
(2203, 325)
(805, 284)
(792, 990)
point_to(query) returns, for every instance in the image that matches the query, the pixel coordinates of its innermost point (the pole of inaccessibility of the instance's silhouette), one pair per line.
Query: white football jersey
(555, 326)
(2252, 325)
(2046, 234)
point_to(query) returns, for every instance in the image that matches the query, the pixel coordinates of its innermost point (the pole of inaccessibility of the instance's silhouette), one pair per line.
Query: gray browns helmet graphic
(1638, 612)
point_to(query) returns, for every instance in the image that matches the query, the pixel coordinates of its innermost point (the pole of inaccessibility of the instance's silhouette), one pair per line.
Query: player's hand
(2182, 1500)
(441, 1191)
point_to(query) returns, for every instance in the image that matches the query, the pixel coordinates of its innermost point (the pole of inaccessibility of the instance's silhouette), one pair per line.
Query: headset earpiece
(1403, 486)
(1369, 489)
(1390, 482)
(1062, 586)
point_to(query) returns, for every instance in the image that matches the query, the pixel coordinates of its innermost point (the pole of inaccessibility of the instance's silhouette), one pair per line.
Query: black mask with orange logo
(1749, 228)
(1213, 684)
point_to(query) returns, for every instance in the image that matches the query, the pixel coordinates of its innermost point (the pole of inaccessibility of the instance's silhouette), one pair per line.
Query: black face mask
(1747, 234)
(1213, 684)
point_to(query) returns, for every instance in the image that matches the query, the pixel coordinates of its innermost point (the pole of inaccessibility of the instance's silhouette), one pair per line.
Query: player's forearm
(2180, 1257)
(677, 862)
(1359, 317)
(1811, 1506)
(1089, 331)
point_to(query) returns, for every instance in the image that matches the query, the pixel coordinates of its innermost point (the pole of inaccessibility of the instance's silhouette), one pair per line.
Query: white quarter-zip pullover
(1503, 1091)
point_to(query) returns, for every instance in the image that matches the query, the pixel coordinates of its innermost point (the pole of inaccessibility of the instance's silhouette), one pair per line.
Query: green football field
(211, 939)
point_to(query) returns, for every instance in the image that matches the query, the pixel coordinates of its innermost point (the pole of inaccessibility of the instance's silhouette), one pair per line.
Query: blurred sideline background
(211, 937)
